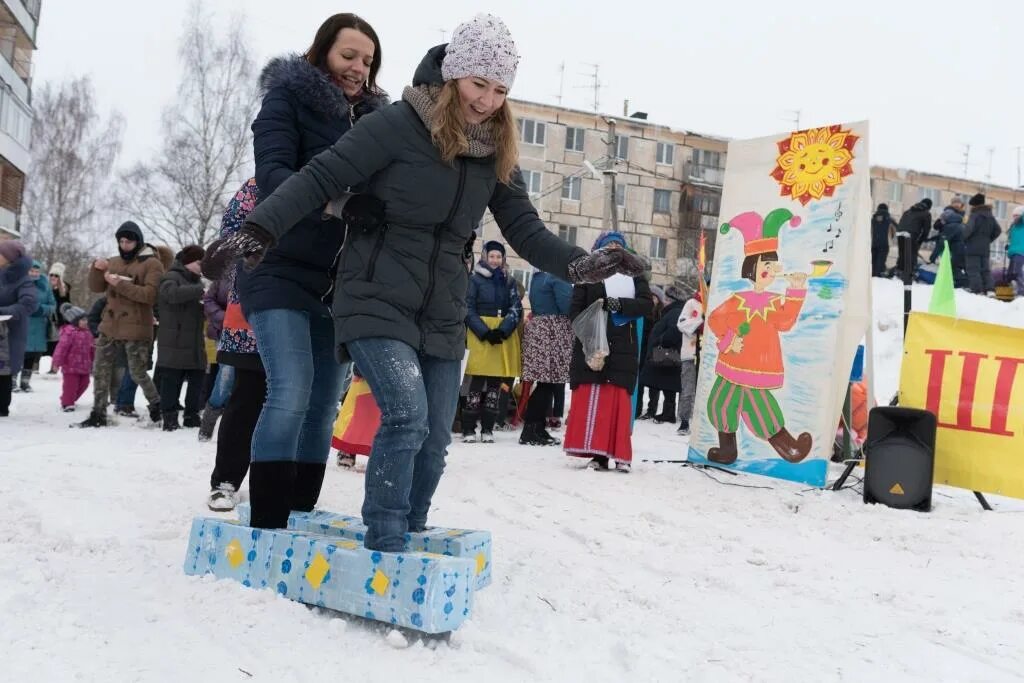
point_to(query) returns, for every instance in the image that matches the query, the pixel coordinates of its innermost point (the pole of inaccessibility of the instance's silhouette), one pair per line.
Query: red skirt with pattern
(599, 423)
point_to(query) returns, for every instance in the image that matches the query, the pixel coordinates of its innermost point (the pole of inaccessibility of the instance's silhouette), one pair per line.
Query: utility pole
(611, 210)
(561, 82)
(795, 118)
(1018, 167)
(595, 86)
(967, 158)
(991, 155)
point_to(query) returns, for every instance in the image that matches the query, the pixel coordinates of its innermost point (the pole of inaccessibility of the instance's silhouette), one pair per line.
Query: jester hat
(761, 236)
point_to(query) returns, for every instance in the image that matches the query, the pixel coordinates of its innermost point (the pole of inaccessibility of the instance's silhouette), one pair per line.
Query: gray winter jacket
(179, 337)
(407, 280)
(981, 231)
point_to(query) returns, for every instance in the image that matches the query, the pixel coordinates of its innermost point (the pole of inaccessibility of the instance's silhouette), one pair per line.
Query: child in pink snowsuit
(74, 355)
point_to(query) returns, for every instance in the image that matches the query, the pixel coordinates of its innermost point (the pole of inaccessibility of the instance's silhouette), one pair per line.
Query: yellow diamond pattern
(481, 562)
(380, 582)
(234, 553)
(318, 569)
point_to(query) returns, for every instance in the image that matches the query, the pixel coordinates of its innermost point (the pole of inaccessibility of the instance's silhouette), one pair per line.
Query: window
(895, 192)
(571, 188)
(15, 117)
(531, 132)
(704, 157)
(568, 233)
(523, 277)
(620, 196)
(574, 139)
(932, 194)
(666, 153)
(999, 209)
(532, 181)
(622, 146)
(704, 203)
(659, 247)
(663, 201)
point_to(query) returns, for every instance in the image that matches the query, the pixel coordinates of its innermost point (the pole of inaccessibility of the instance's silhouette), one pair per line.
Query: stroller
(1005, 290)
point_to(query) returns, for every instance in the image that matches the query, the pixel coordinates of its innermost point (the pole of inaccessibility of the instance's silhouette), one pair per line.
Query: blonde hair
(449, 132)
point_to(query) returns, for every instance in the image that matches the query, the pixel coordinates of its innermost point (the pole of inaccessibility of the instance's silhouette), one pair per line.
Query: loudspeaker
(900, 458)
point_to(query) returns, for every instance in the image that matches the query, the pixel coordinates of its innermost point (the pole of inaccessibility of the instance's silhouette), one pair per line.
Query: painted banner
(790, 300)
(971, 376)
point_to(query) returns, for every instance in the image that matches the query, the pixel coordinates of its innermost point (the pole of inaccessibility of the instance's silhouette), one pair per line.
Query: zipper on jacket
(431, 264)
(377, 246)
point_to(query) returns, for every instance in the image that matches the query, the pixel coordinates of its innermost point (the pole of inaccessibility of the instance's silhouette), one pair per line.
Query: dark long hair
(328, 33)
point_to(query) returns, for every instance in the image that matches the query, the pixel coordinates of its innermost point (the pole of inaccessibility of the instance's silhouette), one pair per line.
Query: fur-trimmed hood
(312, 86)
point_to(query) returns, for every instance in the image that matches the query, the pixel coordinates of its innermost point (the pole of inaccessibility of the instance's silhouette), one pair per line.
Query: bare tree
(180, 196)
(67, 191)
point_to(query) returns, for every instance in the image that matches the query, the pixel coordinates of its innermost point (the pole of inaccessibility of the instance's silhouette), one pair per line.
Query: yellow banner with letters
(971, 376)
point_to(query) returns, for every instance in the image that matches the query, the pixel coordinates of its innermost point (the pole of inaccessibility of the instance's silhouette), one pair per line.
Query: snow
(663, 574)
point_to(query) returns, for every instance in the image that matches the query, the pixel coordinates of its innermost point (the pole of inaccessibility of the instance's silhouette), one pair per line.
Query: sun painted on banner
(812, 163)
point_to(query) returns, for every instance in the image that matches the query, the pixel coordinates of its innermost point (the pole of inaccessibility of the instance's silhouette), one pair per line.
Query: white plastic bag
(591, 328)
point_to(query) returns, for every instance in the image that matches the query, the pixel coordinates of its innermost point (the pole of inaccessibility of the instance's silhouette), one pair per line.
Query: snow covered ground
(662, 575)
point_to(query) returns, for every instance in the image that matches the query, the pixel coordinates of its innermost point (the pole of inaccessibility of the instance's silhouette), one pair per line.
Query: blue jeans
(222, 386)
(417, 396)
(126, 393)
(303, 386)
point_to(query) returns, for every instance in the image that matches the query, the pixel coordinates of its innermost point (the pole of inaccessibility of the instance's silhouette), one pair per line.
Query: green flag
(943, 300)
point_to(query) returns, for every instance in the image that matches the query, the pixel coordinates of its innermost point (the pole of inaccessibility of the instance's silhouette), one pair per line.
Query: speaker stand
(850, 465)
(981, 499)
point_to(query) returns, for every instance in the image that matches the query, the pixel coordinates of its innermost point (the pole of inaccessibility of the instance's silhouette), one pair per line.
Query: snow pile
(661, 575)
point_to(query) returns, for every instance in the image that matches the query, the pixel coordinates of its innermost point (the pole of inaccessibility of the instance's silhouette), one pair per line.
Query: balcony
(706, 175)
(17, 47)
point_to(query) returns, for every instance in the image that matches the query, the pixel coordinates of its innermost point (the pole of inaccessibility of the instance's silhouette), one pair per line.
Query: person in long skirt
(547, 351)
(599, 415)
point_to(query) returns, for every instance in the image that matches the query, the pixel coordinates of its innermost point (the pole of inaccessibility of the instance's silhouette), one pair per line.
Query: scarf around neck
(423, 99)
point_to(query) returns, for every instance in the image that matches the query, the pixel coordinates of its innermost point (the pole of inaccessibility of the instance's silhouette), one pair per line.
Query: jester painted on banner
(789, 302)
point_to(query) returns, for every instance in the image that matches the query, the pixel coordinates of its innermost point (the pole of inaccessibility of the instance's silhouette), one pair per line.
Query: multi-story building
(668, 186)
(668, 183)
(18, 21)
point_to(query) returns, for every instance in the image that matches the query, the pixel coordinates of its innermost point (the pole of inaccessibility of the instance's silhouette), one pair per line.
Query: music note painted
(829, 228)
(828, 246)
(839, 211)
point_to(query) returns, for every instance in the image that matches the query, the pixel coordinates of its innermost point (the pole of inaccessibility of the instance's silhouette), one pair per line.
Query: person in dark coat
(653, 395)
(665, 334)
(19, 298)
(883, 229)
(981, 231)
(492, 294)
(950, 234)
(435, 162)
(181, 354)
(916, 222)
(219, 379)
(309, 103)
(599, 423)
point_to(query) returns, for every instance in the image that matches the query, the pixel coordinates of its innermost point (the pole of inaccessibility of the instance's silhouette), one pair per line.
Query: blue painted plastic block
(422, 591)
(475, 545)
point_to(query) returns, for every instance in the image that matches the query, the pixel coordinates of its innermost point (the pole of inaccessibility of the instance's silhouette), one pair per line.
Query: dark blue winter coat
(492, 293)
(881, 223)
(303, 114)
(18, 299)
(549, 295)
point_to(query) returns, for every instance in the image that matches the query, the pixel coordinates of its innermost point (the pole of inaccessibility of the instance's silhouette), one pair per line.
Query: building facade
(18, 22)
(669, 186)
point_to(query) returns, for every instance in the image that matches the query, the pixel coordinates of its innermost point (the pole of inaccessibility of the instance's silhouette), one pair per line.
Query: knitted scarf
(423, 99)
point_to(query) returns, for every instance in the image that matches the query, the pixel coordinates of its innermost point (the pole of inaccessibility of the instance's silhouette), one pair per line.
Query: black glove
(495, 337)
(467, 249)
(604, 263)
(613, 304)
(249, 243)
(363, 212)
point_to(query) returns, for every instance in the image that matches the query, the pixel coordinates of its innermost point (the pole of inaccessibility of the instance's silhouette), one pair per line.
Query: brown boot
(790, 449)
(726, 452)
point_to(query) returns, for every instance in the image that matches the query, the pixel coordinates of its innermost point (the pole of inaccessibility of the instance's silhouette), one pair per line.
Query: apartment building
(18, 21)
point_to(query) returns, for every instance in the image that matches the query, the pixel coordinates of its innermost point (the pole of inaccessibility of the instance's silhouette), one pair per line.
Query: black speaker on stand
(900, 458)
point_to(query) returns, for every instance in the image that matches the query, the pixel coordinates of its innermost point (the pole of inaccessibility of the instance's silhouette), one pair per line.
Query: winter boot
(684, 428)
(170, 421)
(191, 420)
(528, 437)
(599, 463)
(551, 441)
(154, 412)
(623, 467)
(346, 460)
(309, 479)
(790, 449)
(224, 498)
(126, 411)
(209, 422)
(270, 493)
(486, 436)
(469, 437)
(95, 419)
(726, 452)
(26, 377)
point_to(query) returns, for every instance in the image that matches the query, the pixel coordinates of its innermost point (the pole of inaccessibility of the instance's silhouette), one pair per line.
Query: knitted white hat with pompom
(481, 47)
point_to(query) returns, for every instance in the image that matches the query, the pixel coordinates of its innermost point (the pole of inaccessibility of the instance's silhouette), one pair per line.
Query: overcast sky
(929, 77)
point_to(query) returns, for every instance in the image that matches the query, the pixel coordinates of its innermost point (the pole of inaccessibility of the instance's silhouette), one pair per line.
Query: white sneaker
(486, 437)
(623, 467)
(224, 498)
(469, 438)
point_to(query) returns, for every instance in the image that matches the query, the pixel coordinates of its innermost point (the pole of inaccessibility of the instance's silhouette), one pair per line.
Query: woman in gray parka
(432, 163)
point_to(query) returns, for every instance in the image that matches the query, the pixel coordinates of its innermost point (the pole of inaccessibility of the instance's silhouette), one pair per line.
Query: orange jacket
(758, 319)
